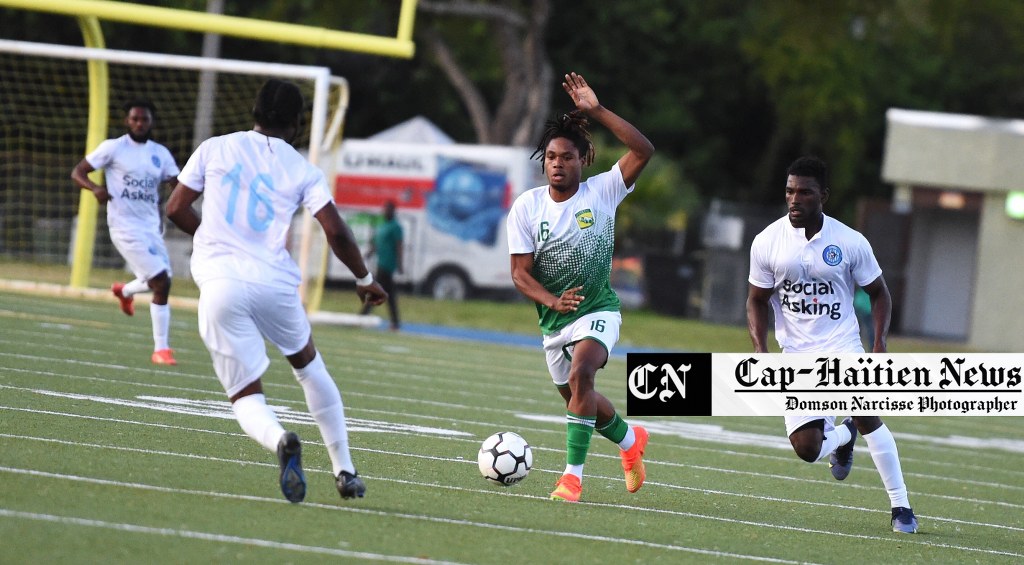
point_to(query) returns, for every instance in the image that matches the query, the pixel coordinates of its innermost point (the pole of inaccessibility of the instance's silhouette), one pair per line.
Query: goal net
(43, 127)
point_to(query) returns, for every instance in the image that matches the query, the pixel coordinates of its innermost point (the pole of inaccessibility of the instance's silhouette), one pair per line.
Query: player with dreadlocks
(561, 237)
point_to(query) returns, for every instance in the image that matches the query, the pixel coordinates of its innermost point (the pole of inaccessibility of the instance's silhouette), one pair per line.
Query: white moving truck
(451, 200)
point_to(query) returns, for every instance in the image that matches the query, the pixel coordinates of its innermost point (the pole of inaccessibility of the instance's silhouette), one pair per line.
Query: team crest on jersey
(832, 255)
(584, 219)
(156, 161)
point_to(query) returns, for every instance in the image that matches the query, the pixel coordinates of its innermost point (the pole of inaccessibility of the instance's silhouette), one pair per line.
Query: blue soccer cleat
(289, 455)
(841, 460)
(903, 520)
(350, 486)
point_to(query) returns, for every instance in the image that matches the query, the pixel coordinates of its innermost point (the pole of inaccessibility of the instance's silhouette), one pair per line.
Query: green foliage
(833, 69)
(663, 198)
(729, 91)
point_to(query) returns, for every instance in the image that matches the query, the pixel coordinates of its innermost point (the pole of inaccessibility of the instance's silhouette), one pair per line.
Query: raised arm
(639, 147)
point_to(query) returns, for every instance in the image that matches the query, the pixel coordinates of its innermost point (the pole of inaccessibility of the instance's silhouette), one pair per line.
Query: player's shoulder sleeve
(104, 153)
(520, 235)
(170, 166)
(761, 274)
(610, 186)
(863, 265)
(193, 174)
(315, 192)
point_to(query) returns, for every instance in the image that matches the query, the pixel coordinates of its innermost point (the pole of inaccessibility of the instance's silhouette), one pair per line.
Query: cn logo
(672, 381)
(668, 384)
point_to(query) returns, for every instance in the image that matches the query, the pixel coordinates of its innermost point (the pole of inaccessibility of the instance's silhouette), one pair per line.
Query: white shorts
(234, 318)
(793, 423)
(602, 327)
(144, 252)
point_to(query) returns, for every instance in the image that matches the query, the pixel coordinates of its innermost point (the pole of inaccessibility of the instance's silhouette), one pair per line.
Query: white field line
(400, 381)
(379, 513)
(372, 356)
(460, 460)
(971, 454)
(681, 432)
(696, 432)
(899, 540)
(958, 444)
(218, 538)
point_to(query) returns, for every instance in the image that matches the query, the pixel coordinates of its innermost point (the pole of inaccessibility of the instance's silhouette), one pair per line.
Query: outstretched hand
(580, 92)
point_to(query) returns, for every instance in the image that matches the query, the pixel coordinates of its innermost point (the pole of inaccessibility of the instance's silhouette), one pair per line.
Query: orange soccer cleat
(568, 488)
(164, 357)
(126, 301)
(633, 460)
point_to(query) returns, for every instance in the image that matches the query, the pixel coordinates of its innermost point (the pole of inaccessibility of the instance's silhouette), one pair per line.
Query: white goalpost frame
(320, 75)
(320, 138)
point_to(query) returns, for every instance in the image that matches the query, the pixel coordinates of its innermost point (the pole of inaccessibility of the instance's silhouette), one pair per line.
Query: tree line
(729, 91)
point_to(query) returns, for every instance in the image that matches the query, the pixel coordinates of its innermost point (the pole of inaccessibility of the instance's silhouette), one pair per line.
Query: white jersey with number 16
(252, 185)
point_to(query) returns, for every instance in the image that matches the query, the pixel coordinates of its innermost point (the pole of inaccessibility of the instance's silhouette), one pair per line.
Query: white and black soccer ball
(505, 458)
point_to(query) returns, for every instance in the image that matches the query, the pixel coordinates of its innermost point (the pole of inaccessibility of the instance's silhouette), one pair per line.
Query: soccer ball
(505, 458)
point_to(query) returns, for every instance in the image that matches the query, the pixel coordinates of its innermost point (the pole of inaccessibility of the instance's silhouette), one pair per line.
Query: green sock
(615, 429)
(577, 437)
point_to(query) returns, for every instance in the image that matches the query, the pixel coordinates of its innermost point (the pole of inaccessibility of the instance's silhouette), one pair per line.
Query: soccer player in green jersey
(561, 237)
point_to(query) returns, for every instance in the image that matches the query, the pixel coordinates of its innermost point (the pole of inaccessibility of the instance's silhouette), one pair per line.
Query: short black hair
(572, 126)
(278, 104)
(810, 166)
(140, 103)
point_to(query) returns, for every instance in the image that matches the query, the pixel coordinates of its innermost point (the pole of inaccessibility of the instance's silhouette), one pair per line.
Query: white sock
(574, 470)
(883, 450)
(258, 421)
(628, 440)
(324, 402)
(840, 435)
(160, 315)
(135, 287)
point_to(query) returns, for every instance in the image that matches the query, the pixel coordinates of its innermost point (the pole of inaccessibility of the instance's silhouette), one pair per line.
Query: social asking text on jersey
(803, 298)
(145, 188)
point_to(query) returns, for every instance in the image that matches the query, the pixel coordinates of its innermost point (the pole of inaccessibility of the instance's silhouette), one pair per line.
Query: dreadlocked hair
(571, 126)
(278, 104)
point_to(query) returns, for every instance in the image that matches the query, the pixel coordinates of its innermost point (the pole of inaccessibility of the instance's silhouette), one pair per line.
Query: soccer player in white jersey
(135, 167)
(253, 182)
(804, 268)
(561, 237)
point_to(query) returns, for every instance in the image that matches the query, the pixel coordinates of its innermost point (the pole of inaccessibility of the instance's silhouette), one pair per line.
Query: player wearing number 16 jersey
(561, 238)
(253, 182)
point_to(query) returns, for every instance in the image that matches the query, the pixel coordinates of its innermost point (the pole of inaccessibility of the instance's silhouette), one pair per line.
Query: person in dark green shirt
(386, 243)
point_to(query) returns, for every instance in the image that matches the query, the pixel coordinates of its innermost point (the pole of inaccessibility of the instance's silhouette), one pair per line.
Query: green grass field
(106, 458)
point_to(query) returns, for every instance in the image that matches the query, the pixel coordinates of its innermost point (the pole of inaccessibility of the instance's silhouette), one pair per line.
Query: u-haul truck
(451, 201)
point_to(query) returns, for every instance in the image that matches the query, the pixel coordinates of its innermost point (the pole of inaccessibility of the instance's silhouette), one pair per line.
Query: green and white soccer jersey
(572, 243)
